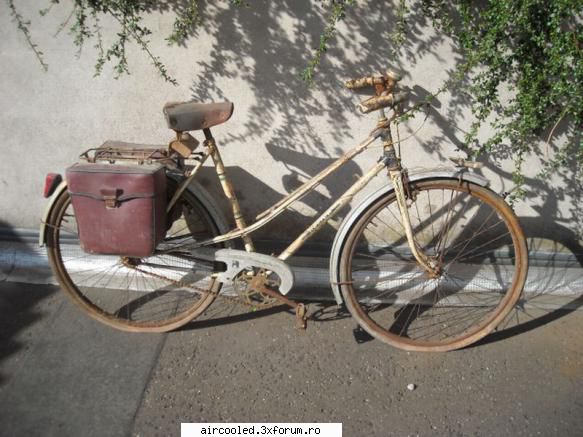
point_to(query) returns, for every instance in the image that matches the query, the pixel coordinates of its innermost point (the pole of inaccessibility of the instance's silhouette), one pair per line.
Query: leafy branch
(23, 26)
(85, 20)
(338, 12)
(524, 74)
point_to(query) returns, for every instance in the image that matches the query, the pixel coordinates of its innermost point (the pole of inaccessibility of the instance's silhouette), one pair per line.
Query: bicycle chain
(237, 299)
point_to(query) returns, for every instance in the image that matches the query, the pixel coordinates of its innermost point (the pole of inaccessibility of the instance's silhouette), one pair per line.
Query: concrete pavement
(63, 374)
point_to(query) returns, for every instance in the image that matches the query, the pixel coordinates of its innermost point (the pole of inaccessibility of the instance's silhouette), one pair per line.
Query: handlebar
(383, 85)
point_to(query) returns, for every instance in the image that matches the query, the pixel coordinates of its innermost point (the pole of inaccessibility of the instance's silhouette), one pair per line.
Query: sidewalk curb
(555, 274)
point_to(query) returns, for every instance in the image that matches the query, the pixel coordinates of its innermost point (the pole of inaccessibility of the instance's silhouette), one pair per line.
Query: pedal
(301, 318)
(361, 336)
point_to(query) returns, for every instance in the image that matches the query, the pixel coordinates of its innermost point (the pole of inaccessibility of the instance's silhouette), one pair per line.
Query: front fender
(355, 214)
(195, 188)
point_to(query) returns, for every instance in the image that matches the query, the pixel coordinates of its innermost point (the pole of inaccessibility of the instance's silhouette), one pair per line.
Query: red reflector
(51, 182)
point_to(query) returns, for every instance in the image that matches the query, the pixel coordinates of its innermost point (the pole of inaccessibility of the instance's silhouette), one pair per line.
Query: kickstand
(301, 318)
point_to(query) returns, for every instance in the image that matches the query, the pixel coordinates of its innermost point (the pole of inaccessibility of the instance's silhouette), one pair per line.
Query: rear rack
(112, 151)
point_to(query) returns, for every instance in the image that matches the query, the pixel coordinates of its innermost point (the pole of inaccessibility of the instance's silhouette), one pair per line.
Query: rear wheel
(472, 236)
(154, 294)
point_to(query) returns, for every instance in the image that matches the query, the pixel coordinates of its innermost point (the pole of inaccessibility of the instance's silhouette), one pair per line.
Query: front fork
(396, 174)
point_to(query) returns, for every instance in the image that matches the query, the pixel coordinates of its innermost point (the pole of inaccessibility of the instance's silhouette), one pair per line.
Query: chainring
(251, 296)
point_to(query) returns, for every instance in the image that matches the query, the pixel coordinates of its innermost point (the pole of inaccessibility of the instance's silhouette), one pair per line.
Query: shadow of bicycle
(554, 283)
(20, 304)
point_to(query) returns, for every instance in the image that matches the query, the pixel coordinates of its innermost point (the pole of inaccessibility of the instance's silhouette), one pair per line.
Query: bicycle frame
(389, 160)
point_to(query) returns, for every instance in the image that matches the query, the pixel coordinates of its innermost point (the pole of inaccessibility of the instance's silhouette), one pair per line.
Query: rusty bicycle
(433, 261)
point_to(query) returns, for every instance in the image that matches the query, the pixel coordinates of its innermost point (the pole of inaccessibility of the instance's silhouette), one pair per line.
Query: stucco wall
(281, 131)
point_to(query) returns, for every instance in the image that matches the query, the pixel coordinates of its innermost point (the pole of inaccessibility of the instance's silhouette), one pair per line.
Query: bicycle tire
(134, 296)
(479, 246)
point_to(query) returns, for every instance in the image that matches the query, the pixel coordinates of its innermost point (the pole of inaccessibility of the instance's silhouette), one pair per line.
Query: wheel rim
(477, 243)
(151, 294)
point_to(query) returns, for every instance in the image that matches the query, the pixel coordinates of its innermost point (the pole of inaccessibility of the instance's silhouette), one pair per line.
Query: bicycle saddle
(188, 116)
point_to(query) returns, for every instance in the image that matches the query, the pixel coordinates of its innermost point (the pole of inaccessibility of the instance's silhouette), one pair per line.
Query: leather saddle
(189, 116)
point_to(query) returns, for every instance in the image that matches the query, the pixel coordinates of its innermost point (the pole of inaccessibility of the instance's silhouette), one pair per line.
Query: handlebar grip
(389, 78)
(363, 82)
(378, 102)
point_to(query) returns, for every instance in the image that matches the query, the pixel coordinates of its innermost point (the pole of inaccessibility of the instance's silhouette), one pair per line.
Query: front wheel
(153, 294)
(477, 245)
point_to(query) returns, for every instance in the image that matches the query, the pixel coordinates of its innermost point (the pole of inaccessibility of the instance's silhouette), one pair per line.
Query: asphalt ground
(62, 374)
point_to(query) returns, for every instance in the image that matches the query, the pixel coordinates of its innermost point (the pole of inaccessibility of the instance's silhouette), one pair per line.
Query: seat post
(213, 150)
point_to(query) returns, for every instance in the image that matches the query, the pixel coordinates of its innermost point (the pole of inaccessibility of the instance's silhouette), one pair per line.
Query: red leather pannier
(120, 209)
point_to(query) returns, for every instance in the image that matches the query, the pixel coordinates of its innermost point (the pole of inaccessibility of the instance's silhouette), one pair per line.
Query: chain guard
(239, 261)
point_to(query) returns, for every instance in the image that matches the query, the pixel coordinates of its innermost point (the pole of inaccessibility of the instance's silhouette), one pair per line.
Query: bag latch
(110, 197)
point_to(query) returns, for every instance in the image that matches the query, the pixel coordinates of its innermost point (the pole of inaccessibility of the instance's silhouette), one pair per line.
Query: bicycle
(432, 262)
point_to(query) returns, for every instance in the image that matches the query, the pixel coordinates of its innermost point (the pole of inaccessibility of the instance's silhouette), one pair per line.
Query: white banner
(261, 429)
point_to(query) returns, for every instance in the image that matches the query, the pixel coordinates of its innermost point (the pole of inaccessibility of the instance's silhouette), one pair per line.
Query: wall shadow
(255, 196)
(266, 46)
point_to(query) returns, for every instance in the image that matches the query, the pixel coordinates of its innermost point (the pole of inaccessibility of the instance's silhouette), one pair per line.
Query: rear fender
(355, 214)
(47, 213)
